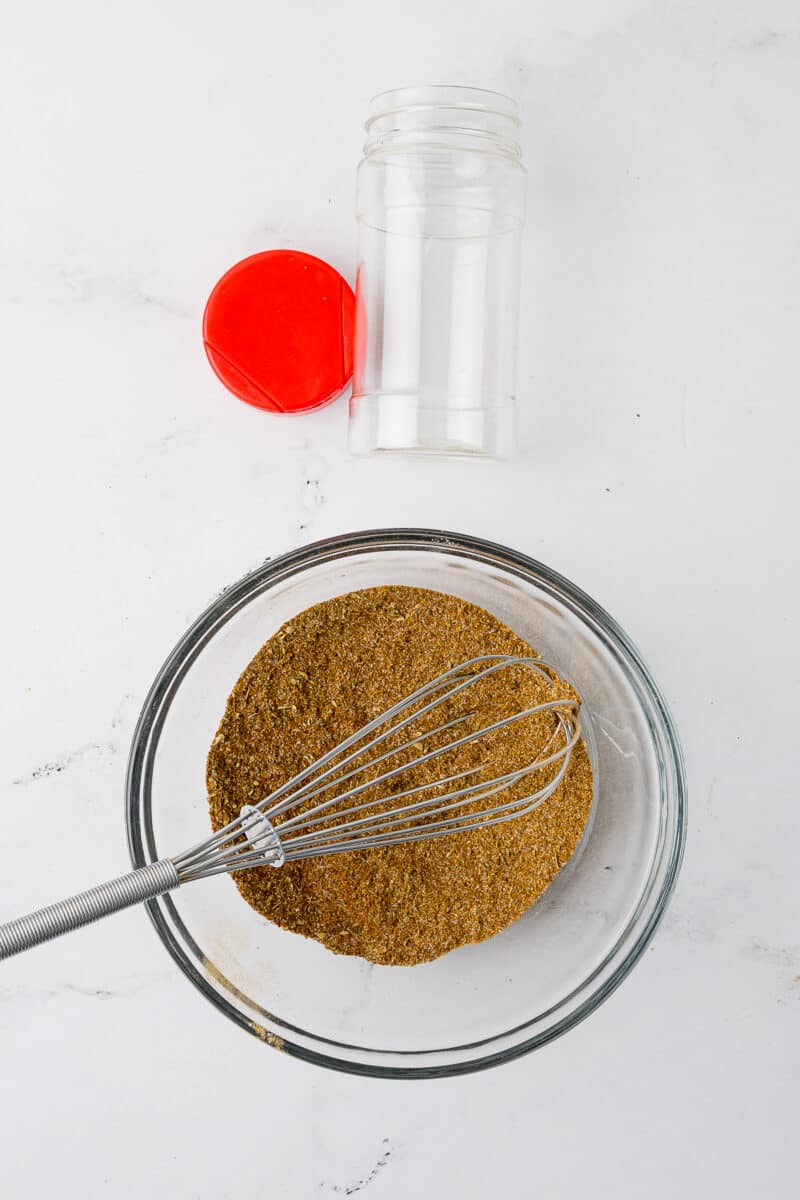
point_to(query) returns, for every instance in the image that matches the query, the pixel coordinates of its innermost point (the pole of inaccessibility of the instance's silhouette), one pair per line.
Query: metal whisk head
(363, 792)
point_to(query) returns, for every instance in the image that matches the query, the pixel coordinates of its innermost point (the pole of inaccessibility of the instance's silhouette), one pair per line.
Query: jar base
(386, 423)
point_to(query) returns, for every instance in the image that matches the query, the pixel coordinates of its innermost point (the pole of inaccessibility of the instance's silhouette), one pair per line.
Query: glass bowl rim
(646, 916)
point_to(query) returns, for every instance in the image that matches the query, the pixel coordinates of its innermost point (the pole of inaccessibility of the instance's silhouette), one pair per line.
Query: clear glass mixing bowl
(479, 1005)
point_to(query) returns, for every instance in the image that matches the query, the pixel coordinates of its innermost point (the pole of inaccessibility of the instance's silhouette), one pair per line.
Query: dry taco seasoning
(320, 678)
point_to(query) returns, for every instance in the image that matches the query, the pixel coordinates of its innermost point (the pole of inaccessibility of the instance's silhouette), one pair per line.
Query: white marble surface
(146, 147)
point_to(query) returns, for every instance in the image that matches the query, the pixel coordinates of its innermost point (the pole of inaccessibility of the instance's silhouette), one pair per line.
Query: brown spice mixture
(323, 676)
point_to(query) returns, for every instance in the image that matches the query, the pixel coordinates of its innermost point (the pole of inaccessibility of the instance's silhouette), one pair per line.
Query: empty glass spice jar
(441, 206)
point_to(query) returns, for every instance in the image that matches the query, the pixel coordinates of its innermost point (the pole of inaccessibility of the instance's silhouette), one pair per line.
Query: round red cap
(278, 331)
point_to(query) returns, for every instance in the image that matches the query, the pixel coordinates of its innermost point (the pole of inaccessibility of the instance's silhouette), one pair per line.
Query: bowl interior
(476, 1002)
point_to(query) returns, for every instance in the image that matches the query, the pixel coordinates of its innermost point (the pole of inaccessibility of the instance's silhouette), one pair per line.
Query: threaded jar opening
(444, 115)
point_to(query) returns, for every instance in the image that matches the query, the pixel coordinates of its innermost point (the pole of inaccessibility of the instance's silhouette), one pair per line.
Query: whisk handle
(97, 902)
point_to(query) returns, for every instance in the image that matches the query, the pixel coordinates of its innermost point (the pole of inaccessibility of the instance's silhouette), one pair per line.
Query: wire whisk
(362, 794)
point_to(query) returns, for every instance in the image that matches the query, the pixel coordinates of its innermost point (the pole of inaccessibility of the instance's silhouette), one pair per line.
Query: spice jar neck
(456, 117)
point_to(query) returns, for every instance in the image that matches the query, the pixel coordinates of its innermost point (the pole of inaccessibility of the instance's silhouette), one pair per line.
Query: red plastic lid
(278, 331)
